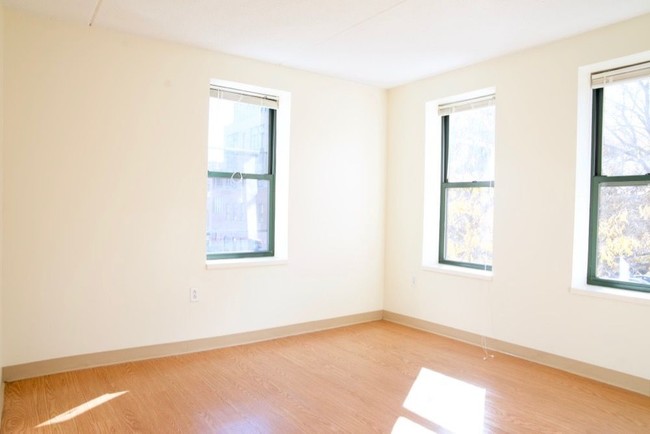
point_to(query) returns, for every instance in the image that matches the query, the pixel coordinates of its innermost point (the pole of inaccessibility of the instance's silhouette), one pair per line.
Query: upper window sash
(487, 182)
(454, 167)
(265, 166)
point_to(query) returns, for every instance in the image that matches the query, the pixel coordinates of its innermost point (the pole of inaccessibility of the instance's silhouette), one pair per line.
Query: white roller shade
(268, 101)
(468, 104)
(604, 78)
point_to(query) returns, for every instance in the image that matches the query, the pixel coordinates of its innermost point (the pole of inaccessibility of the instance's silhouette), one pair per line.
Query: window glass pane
(469, 216)
(471, 145)
(623, 245)
(626, 128)
(238, 137)
(238, 215)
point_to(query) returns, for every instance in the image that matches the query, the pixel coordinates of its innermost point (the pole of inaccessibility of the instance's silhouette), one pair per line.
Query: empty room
(439, 221)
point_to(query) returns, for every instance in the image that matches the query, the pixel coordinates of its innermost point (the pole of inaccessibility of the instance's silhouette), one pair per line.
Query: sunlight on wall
(450, 403)
(72, 413)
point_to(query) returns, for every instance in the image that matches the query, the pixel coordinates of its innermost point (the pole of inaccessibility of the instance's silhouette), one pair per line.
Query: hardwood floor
(372, 377)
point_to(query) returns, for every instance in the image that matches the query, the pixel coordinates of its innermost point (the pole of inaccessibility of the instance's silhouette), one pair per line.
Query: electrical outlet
(194, 295)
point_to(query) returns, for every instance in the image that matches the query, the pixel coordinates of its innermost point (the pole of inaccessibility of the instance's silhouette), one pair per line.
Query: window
(467, 183)
(619, 218)
(241, 174)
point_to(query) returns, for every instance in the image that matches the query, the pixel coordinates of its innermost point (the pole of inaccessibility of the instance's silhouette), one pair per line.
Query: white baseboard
(604, 375)
(71, 363)
(63, 364)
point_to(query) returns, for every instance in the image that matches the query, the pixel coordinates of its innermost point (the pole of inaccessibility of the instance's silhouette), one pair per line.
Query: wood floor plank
(357, 379)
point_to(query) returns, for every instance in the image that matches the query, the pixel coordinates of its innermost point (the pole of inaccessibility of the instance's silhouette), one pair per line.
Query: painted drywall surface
(1, 189)
(105, 195)
(528, 301)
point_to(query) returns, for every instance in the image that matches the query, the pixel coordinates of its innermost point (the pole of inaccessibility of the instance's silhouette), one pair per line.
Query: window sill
(612, 293)
(215, 264)
(459, 271)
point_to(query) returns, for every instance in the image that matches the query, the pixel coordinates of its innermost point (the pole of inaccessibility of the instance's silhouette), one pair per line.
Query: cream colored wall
(104, 201)
(1, 190)
(528, 300)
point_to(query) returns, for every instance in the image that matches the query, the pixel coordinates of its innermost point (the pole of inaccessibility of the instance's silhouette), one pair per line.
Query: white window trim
(282, 136)
(431, 202)
(579, 284)
(213, 264)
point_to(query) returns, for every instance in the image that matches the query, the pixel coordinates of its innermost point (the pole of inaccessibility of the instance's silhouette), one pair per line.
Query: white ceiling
(380, 42)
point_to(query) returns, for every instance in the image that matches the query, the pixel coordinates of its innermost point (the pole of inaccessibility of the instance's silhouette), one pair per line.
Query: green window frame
(241, 195)
(617, 225)
(479, 193)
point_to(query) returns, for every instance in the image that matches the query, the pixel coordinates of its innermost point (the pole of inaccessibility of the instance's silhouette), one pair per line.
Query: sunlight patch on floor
(407, 426)
(80, 409)
(449, 403)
